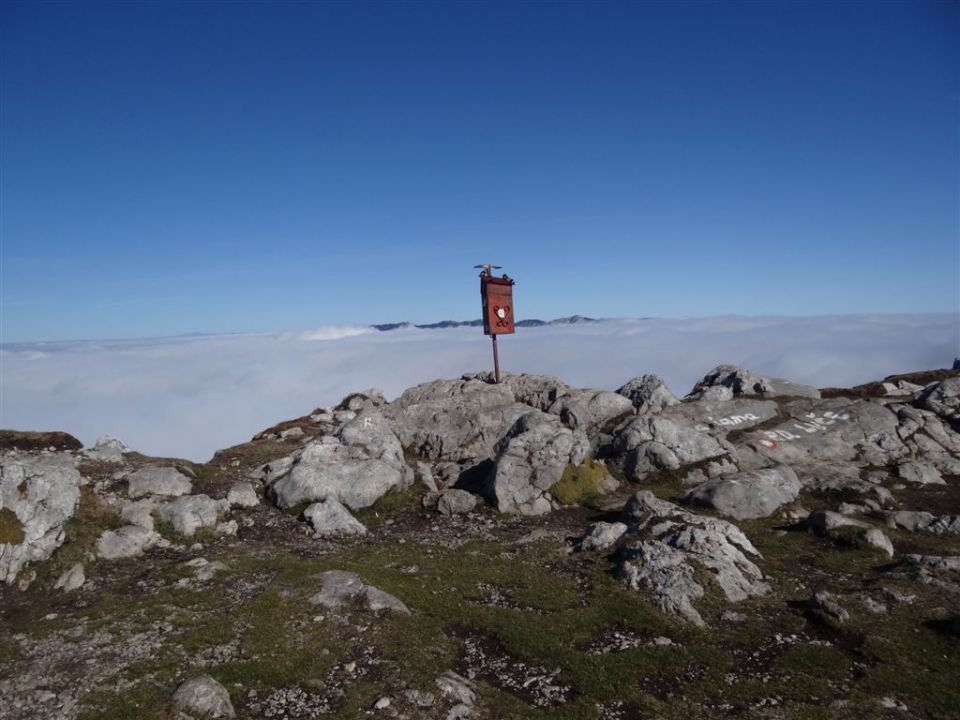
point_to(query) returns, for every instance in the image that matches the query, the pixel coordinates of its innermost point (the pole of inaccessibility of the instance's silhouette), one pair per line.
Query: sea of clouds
(188, 396)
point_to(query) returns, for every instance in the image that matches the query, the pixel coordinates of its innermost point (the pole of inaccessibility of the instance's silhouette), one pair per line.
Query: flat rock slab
(342, 589)
(156, 480)
(747, 495)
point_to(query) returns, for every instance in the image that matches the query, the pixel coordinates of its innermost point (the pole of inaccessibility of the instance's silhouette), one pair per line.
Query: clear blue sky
(206, 167)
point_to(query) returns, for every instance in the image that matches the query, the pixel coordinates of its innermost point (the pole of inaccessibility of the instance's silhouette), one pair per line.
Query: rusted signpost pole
(497, 296)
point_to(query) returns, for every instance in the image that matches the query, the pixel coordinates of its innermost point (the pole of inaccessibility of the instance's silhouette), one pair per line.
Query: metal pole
(496, 361)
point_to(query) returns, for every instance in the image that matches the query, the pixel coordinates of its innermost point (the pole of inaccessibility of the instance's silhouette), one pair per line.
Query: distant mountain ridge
(571, 320)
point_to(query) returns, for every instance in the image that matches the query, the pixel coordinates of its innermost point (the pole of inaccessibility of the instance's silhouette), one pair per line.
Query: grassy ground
(507, 585)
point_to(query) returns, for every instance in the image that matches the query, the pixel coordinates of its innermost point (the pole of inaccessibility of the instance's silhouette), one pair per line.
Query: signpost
(497, 296)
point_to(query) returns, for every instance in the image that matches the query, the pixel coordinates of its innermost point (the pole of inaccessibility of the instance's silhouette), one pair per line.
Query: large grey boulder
(38, 494)
(649, 394)
(942, 398)
(672, 543)
(356, 467)
(190, 513)
(127, 541)
(203, 697)
(591, 411)
(329, 517)
(745, 382)
(530, 460)
(342, 589)
(156, 480)
(749, 494)
(454, 420)
(655, 442)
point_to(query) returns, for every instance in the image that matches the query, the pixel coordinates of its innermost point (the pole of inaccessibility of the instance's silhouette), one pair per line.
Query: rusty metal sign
(497, 296)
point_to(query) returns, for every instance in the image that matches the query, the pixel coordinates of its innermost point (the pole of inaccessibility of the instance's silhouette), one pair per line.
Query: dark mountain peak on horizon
(443, 324)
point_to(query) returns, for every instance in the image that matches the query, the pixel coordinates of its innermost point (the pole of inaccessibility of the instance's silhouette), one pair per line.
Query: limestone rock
(456, 502)
(38, 494)
(654, 442)
(920, 473)
(942, 398)
(139, 512)
(107, 448)
(824, 604)
(156, 480)
(823, 522)
(837, 430)
(203, 697)
(921, 521)
(591, 410)
(356, 467)
(190, 513)
(455, 420)
(71, 578)
(242, 494)
(602, 536)
(341, 588)
(745, 382)
(719, 417)
(750, 494)
(124, 542)
(876, 538)
(329, 517)
(672, 543)
(531, 459)
(649, 394)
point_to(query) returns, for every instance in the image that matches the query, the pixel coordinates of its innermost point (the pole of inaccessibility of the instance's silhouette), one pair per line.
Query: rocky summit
(755, 548)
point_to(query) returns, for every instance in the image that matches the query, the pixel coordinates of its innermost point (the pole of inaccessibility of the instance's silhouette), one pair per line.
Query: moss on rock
(11, 529)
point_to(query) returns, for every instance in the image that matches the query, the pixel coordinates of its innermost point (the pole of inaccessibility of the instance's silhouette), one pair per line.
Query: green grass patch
(11, 529)
(580, 484)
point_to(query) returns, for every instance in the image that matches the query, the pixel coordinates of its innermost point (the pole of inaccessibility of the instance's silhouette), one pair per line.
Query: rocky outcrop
(744, 382)
(942, 398)
(530, 460)
(835, 430)
(107, 449)
(671, 544)
(356, 467)
(455, 420)
(648, 394)
(749, 494)
(655, 442)
(38, 494)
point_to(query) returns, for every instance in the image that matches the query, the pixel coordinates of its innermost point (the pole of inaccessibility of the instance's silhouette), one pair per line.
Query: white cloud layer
(189, 396)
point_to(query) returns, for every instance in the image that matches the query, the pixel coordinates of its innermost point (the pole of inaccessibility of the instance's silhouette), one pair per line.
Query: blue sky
(216, 167)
